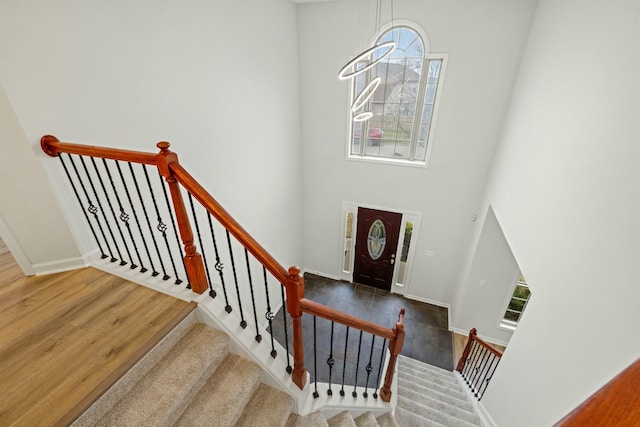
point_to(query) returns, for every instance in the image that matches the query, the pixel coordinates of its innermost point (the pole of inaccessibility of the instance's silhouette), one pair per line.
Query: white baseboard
(319, 273)
(59, 266)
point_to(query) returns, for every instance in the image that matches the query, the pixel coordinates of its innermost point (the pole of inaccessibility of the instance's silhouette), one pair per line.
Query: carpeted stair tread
(462, 411)
(455, 399)
(224, 396)
(267, 407)
(387, 420)
(421, 366)
(407, 419)
(343, 419)
(315, 419)
(148, 403)
(441, 375)
(434, 414)
(408, 380)
(366, 420)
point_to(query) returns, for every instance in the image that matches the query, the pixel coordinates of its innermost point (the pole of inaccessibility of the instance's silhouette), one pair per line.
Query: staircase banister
(321, 310)
(228, 222)
(488, 346)
(52, 147)
(617, 403)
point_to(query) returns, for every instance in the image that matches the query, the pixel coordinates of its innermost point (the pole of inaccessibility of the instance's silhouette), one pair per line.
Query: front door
(376, 244)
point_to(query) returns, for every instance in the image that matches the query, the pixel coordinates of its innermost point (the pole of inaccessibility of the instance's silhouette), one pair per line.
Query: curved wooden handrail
(321, 310)
(488, 346)
(228, 222)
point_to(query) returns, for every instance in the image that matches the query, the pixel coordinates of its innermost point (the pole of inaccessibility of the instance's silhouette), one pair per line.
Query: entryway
(376, 246)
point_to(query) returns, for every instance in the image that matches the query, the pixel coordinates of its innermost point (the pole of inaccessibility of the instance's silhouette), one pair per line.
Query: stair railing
(119, 200)
(478, 363)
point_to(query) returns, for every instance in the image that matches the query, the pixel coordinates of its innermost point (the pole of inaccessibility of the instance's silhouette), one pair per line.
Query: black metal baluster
(479, 368)
(161, 227)
(330, 361)
(344, 361)
(113, 214)
(315, 361)
(469, 362)
(143, 269)
(154, 272)
(269, 314)
(243, 323)
(212, 293)
(286, 334)
(219, 265)
(354, 394)
(175, 233)
(384, 345)
(484, 370)
(369, 367)
(82, 208)
(253, 299)
(124, 217)
(488, 375)
(475, 363)
(104, 216)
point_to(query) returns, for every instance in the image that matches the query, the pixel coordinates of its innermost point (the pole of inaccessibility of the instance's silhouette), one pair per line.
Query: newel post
(465, 354)
(192, 259)
(395, 347)
(295, 292)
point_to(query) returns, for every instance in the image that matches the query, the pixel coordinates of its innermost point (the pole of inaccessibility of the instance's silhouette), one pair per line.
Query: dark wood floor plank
(66, 338)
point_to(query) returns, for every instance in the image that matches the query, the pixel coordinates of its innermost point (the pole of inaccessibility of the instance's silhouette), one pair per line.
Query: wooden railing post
(395, 347)
(465, 354)
(192, 259)
(295, 292)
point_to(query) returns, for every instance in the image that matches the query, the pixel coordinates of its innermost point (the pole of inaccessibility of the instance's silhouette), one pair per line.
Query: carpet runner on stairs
(429, 396)
(191, 379)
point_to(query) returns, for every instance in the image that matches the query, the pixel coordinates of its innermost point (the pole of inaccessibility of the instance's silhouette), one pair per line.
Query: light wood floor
(65, 338)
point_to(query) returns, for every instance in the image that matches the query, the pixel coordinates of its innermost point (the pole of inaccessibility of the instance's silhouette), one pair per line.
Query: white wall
(484, 42)
(482, 296)
(30, 222)
(565, 190)
(218, 79)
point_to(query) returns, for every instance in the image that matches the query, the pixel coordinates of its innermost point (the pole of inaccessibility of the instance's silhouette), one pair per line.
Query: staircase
(429, 396)
(191, 379)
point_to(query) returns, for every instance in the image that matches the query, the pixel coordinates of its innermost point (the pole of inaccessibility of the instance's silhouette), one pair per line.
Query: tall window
(403, 103)
(517, 304)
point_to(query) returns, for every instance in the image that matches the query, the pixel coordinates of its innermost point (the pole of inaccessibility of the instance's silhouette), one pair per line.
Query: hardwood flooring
(66, 338)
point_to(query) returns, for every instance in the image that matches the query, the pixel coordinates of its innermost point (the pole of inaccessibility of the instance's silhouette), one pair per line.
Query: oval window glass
(377, 239)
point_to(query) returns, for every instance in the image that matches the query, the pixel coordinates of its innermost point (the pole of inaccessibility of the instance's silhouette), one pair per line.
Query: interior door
(376, 244)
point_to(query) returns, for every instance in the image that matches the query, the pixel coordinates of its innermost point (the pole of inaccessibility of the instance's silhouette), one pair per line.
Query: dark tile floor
(427, 336)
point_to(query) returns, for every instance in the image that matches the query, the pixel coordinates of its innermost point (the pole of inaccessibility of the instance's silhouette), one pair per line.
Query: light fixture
(350, 70)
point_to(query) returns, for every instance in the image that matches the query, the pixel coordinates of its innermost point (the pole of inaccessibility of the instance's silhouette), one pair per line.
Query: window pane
(392, 131)
(348, 236)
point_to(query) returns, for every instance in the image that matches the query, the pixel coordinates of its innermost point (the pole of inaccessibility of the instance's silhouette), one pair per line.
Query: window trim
(510, 325)
(428, 56)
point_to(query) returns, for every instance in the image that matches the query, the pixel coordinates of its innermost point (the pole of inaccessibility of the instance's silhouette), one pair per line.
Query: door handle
(393, 261)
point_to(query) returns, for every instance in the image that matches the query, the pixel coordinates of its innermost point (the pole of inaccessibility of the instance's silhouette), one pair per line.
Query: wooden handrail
(321, 310)
(52, 147)
(473, 336)
(228, 222)
(617, 403)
